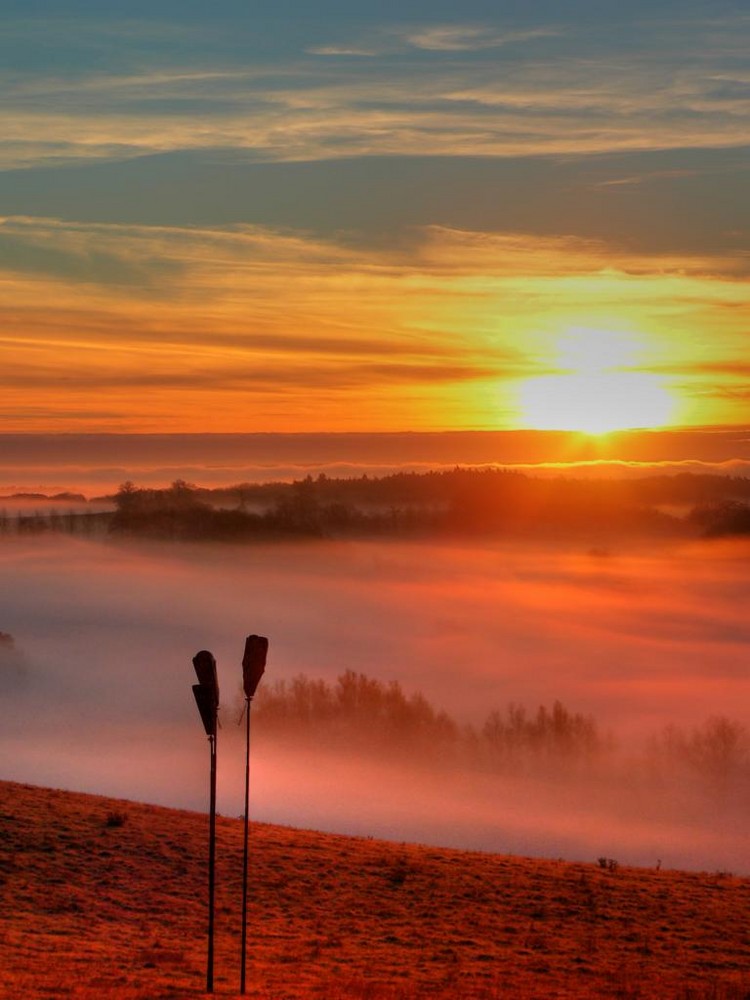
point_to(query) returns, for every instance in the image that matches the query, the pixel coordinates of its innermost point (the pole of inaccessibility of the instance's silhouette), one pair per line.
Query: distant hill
(105, 898)
(449, 503)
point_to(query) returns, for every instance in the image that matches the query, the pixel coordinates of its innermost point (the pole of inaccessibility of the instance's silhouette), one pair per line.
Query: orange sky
(241, 329)
(379, 223)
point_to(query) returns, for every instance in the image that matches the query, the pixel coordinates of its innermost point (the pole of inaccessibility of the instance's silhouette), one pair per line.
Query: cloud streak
(465, 90)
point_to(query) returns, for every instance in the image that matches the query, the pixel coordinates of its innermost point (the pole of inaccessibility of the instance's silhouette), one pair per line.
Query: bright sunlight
(593, 393)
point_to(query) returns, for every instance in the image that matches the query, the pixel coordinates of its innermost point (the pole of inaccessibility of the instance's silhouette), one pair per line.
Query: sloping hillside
(107, 899)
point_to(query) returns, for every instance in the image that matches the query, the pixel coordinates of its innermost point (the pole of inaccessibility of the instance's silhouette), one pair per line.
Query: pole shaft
(211, 870)
(245, 849)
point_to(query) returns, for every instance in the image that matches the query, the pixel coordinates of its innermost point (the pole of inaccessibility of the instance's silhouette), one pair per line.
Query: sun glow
(595, 404)
(593, 393)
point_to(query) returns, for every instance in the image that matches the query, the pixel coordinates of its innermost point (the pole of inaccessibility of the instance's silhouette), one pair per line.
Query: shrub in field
(115, 819)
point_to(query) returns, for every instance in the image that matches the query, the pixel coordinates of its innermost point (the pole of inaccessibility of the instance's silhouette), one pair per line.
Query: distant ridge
(94, 464)
(462, 446)
(106, 898)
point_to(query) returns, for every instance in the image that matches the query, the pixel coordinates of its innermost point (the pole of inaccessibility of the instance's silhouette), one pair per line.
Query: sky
(239, 217)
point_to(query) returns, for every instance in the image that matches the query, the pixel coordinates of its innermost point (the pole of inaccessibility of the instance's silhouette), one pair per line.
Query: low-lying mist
(97, 684)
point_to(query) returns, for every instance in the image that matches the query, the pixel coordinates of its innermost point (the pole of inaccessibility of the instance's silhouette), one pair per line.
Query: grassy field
(107, 899)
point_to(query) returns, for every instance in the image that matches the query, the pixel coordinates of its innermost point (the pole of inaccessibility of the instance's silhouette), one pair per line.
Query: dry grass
(106, 899)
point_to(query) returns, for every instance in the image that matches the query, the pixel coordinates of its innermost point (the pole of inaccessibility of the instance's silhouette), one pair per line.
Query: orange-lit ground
(95, 909)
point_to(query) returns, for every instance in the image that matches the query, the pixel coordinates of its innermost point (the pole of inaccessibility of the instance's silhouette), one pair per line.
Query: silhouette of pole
(253, 665)
(245, 849)
(211, 869)
(207, 698)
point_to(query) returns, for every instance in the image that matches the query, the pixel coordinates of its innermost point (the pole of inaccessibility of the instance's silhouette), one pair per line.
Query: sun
(595, 404)
(596, 390)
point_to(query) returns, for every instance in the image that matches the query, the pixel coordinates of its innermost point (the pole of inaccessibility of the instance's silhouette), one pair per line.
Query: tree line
(455, 502)
(461, 501)
(360, 713)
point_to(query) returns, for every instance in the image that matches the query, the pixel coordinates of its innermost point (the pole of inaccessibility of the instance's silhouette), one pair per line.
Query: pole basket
(253, 663)
(207, 690)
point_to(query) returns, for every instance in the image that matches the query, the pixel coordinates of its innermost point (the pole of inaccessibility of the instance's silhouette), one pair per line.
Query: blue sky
(566, 117)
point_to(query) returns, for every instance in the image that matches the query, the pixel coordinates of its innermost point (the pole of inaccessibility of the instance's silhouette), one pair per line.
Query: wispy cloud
(343, 50)
(471, 38)
(645, 177)
(461, 92)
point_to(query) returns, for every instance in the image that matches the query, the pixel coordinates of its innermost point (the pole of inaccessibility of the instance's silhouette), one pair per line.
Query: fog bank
(99, 694)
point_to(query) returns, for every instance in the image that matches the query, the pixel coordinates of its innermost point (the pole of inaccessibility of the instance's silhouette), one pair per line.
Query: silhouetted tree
(724, 517)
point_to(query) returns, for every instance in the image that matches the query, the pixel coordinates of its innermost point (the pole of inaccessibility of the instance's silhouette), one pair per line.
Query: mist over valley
(646, 642)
